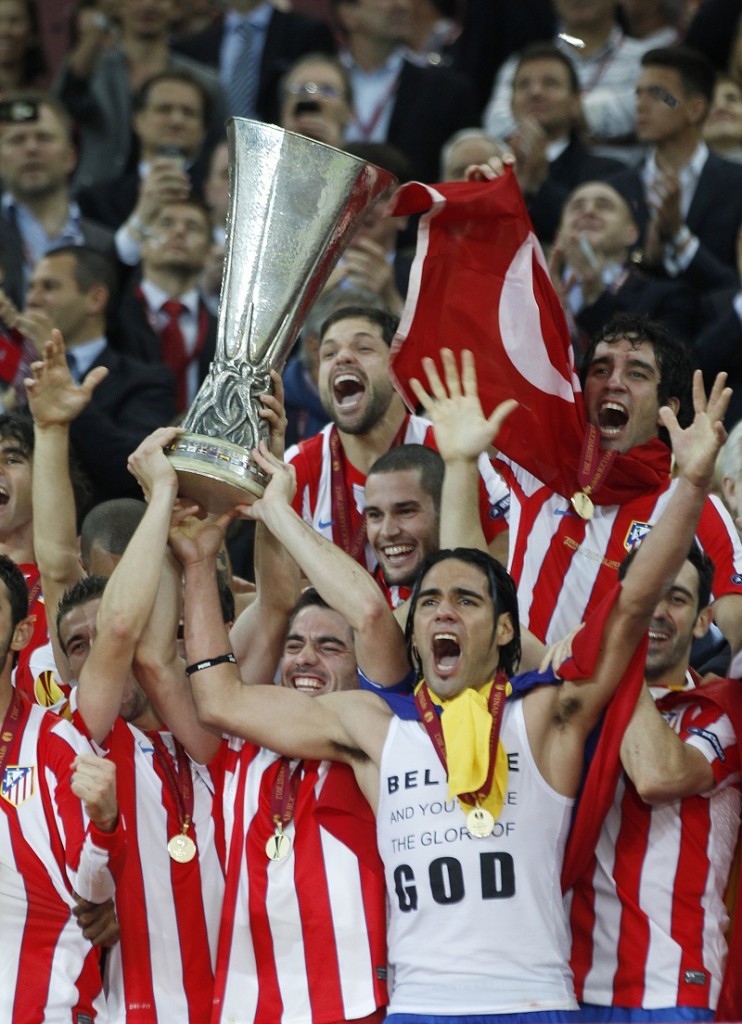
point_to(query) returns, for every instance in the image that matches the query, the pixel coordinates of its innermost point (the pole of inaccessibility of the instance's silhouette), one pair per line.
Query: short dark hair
(15, 584)
(501, 590)
(92, 267)
(701, 562)
(385, 321)
(310, 598)
(696, 72)
(673, 359)
(89, 588)
(426, 461)
(181, 75)
(112, 524)
(547, 51)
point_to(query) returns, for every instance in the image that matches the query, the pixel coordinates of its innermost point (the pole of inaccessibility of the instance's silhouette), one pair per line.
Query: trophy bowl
(294, 206)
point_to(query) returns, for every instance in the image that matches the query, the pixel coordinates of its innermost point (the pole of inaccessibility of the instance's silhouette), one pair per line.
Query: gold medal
(181, 848)
(278, 846)
(480, 822)
(583, 505)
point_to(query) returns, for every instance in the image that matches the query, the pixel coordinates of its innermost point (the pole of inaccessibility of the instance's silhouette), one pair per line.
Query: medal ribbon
(594, 461)
(434, 729)
(180, 785)
(351, 541)
(11, 725)
(284, 793)
(366, 128)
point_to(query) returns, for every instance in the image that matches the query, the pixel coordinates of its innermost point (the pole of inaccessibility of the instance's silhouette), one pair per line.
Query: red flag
(479, 281)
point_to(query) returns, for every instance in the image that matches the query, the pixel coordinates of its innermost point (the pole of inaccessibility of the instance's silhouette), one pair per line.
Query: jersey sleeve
(93, 858)
(719, 538)
(709, 730)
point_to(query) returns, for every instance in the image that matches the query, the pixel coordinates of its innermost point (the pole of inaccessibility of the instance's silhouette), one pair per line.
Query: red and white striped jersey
(313, 499)
(563, 565)
(49, 851)
(648, 915)
(303, 939)
(162, 969)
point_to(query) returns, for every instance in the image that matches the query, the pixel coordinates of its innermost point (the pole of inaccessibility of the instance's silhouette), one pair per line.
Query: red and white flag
(479, 281)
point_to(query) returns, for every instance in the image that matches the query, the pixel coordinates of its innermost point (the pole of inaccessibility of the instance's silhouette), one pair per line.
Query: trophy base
(216, 474)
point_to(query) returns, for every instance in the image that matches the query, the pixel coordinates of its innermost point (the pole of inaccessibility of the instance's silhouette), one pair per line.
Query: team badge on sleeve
(636, 534)
(18, 784)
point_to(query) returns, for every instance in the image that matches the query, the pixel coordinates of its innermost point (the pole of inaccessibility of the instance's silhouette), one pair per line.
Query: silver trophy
(294, 205)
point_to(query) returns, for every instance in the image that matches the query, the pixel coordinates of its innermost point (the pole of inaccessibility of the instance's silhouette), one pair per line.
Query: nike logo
(564, 512)
(325, 526)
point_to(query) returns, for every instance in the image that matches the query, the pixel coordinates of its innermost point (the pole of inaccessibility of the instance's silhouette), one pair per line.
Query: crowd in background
(621, 125)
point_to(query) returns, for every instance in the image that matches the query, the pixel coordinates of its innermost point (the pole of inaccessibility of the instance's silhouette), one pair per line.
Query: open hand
(695, 448)
(462, 431)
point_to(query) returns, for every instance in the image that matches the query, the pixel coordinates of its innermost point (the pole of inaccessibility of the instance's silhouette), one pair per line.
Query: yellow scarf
(467, 729)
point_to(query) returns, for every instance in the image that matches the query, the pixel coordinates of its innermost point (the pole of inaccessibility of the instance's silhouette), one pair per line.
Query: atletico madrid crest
(18, 784)
(636, 534)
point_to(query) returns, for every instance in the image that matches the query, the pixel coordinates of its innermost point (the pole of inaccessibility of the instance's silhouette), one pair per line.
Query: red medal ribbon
(180, 785)
(594, 461)
(366, 128)
(14, 718)
(350, 540)
(432, 723)
(284, 793)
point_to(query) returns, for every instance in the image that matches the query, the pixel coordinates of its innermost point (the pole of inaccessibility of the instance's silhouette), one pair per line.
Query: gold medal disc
(480, 822)
(278, 846)
(181, 848)
(583, 505)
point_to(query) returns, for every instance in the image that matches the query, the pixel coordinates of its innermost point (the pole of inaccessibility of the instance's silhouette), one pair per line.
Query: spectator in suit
(316, 99)
(718, 346)
(687, 201)
(162, 318)
(550, 157)
(73, 286)
(171, 112)
(592, 269)
(607, 66)
(97, 84)
(252, 47)
(37, 213)
(414, 108)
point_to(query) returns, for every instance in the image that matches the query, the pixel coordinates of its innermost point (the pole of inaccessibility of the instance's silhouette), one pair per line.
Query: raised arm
(127, 601)
(462, 433)
(55, 400)
(578, 706)
(161, 670)
(258, 634)
(345, 585)
(284, 720)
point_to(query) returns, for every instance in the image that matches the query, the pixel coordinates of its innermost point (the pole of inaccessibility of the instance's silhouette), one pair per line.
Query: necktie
(242, 91)
(173, 348)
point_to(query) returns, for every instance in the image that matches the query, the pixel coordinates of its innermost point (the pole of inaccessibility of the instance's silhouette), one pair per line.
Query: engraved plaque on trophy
(294, 205)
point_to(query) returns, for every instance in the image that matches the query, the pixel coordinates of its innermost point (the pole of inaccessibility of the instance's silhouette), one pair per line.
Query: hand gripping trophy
(294, 205)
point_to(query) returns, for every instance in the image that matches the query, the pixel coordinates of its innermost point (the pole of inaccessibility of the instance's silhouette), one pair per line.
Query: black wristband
(199, 666)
